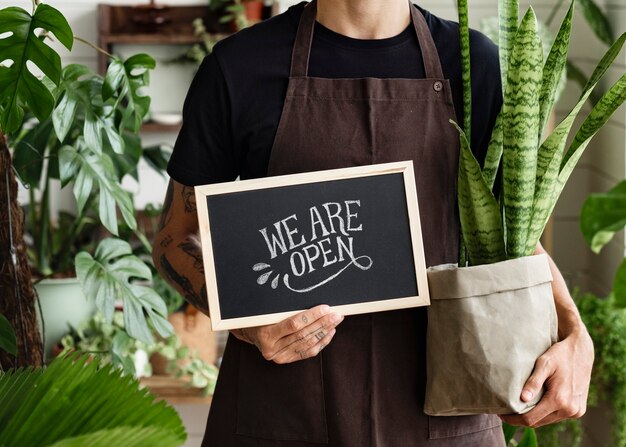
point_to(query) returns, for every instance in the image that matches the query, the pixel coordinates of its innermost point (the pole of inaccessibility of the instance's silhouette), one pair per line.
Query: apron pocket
(440, 427)
(280, 402)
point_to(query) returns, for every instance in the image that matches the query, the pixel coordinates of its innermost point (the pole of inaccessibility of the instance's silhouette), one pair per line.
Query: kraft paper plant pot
(487, 325)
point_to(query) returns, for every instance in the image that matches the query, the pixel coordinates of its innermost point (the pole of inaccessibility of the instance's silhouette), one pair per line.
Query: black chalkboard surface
(349, 238)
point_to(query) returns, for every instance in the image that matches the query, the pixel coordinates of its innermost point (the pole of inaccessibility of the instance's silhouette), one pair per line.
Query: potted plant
(493, 316)
(84, 135)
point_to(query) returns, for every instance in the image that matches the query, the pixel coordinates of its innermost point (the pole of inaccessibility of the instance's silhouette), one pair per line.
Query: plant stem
(95, 47)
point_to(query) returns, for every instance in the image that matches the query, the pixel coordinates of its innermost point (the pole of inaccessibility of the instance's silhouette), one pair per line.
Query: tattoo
(321, 347)
(189, 198)
(166, 241)
(320, 335)
(167, 205)
(192, 250)
(197, 300)
(302, 354)
(305, 320)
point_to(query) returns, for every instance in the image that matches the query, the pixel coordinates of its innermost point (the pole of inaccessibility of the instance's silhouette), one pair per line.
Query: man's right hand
(298, 337)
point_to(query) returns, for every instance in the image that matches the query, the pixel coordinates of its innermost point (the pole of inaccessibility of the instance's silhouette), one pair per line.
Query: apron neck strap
(304, 38)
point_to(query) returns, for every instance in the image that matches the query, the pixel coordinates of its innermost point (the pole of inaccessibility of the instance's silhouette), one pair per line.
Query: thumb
(543, 370)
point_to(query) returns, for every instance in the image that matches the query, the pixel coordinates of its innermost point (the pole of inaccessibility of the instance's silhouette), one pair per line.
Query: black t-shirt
(235, 101)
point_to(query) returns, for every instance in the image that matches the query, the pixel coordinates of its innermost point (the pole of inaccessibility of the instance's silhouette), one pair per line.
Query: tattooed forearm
(167, 205)
(189, 199)
(185, 286)
(192, 249)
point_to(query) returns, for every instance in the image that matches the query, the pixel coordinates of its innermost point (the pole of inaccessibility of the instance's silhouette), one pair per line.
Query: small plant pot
(487, 325)
(63, 305)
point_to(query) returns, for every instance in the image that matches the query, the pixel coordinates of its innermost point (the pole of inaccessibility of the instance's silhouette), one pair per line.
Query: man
(331, 84)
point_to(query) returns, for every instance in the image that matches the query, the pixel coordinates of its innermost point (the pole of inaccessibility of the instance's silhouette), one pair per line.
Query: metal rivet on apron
(438, 86)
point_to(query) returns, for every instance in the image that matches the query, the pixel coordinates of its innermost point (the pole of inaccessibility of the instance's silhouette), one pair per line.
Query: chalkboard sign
(349, 238)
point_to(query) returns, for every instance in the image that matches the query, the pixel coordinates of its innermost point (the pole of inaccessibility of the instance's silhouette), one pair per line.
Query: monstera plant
(83, 132)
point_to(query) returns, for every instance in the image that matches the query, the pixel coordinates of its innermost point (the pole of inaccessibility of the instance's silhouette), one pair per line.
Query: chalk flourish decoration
(361, 262)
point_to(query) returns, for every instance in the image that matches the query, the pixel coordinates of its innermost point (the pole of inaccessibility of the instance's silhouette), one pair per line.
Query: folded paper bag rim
(448, 281)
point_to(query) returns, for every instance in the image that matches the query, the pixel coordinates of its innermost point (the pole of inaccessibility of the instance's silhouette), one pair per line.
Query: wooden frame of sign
(275, 246)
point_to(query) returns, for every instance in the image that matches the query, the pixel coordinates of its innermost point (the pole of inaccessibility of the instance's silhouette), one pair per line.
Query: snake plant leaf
(466, 67)
(508, 16)
(597, 20)
(479, 211)
(520, 122)
(529, 438)
(619, 286)
(8, 342)
(602, 215)
(114, 273)
(18, 86)
(553, 69)
(494, 153)
(93, 172)
(77, 399)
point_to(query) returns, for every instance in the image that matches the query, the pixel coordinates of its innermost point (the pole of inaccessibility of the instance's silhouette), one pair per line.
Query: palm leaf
(8, 342)
(481, 223)
(18, 85)
(520, 123)
(72, 398)
(125, 436)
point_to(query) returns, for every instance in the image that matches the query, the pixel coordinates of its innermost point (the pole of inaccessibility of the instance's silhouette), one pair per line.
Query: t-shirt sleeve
(203, 152)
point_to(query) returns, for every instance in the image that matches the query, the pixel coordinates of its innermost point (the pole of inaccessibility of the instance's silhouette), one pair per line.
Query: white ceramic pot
(62, 305)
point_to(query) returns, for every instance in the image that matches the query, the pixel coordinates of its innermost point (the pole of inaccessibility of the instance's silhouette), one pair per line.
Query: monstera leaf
(76, 402)
(18, 86)
(115, 273)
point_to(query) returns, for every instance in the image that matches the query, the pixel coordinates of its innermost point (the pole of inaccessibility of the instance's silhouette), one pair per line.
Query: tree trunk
(17, 296)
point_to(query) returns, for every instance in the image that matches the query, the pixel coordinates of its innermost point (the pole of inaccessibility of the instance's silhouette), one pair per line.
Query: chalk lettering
(325, 253)
(316, 219)
(335, 215)
(290, 232)
(350, 215)
(292, 261)
(276, 242)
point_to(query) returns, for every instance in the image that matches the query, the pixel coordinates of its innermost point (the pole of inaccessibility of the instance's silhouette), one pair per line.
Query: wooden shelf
(174, 391)
(171, 25)
(151, 126)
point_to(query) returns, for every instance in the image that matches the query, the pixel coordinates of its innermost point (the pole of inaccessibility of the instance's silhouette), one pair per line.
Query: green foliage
(597, 21)
(109, 341)
(115, 273)
(77, 401)
(568, 433)
(18, 86)
(534, 173)
(603, 215)
(607, 325)
(8, 342)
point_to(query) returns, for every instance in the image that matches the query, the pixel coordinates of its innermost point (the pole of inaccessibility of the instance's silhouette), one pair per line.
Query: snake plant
(534, 170)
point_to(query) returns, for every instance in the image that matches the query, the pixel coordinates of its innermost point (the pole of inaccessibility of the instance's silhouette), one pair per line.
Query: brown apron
(367, 387)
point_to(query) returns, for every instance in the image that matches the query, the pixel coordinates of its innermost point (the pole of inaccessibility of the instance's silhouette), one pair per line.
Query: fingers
(299, 321)
(302, 350)
(316, 328)
(544, 368)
